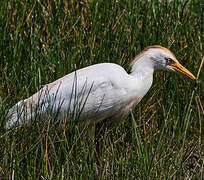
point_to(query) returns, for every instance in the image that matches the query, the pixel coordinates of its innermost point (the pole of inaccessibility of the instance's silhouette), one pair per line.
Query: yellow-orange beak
(182, 70)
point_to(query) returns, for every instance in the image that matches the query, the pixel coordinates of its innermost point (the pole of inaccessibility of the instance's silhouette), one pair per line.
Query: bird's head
(161, 58)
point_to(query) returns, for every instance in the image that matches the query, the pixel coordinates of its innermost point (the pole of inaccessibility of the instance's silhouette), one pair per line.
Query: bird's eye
(169, 61)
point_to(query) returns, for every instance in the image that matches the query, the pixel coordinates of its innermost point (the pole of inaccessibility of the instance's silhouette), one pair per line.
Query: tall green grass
(162, 138)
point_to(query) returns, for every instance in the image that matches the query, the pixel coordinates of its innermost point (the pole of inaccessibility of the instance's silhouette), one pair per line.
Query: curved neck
(143, 68)
(142, 71)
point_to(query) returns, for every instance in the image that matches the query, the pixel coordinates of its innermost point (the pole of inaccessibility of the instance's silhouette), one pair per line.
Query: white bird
(97, 92)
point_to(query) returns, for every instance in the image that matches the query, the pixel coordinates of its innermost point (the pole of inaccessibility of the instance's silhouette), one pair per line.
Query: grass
(162, 138)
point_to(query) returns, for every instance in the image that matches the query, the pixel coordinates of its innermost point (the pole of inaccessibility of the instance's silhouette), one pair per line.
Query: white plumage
(97, 92)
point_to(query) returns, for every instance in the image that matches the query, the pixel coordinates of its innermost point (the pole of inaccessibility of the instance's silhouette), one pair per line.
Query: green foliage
(41, 41)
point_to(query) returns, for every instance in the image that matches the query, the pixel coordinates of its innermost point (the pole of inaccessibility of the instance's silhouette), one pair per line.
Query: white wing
(93, 93)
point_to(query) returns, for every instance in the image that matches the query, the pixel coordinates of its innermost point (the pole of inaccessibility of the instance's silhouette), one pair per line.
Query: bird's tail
(24, 110)
(19, 114)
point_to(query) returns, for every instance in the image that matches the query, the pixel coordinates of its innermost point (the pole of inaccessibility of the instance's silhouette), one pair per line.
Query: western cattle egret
(97, 92)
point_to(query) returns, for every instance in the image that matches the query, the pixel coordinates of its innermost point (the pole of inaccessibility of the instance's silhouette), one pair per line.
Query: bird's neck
(143, 69)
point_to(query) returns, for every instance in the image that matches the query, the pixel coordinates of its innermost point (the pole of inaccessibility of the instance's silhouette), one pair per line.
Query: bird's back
(92, 92)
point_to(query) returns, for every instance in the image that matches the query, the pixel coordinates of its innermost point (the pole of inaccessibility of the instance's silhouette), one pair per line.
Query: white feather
(95, 92)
